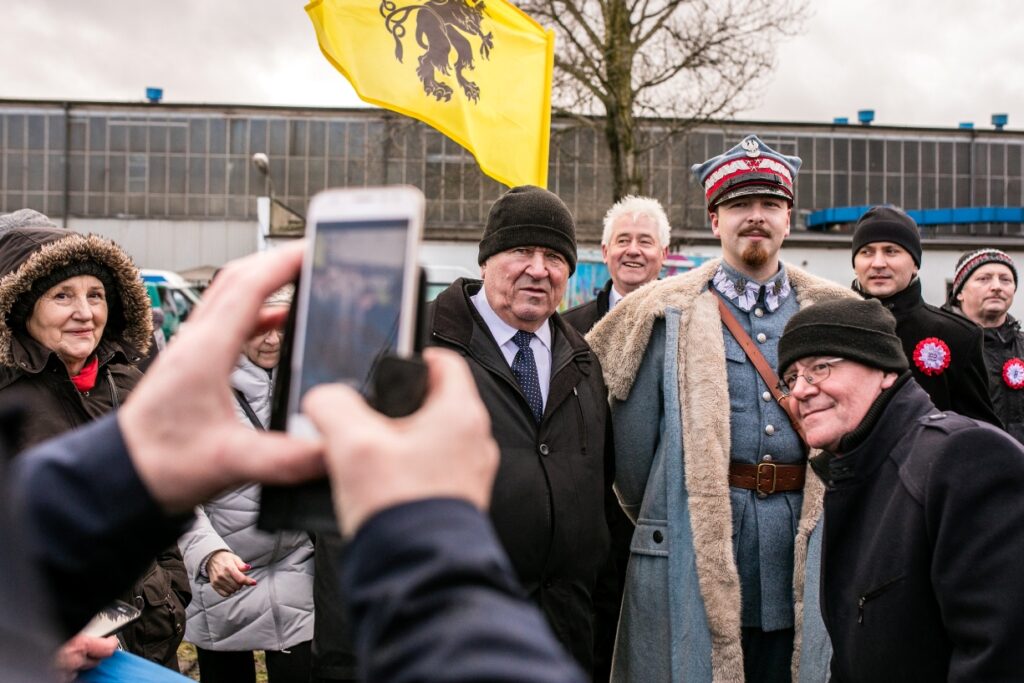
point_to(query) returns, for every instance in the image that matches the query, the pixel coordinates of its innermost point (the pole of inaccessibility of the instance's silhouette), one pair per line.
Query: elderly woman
(253, 590)
(74, 319)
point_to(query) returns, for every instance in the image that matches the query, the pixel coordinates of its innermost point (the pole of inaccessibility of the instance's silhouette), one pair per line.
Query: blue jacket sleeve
(434, 598)
(91, 525)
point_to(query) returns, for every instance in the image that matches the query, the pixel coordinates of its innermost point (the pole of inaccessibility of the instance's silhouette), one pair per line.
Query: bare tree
(682, 60)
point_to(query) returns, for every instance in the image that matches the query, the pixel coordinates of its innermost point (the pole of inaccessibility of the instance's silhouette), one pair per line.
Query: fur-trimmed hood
(620, 338)
(28, 254)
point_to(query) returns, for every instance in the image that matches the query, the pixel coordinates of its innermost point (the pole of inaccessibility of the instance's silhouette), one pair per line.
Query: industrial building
(176, 186)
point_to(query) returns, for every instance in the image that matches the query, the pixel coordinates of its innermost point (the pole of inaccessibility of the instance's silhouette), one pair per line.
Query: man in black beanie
(924, 523)
(944, 350)
(548, 405)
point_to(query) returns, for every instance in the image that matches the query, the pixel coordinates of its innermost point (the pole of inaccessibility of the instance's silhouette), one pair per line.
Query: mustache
(754, 231)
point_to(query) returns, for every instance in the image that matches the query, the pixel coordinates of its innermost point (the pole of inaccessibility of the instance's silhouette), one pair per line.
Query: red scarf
(86, 379)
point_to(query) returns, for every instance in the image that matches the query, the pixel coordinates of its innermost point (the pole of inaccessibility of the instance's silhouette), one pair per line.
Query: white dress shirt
(503, 333)
(613, 297)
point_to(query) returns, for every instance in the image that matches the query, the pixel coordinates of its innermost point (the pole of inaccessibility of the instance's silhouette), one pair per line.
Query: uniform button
(769, 430)
(766, 396)
(658, 537)
(762, 337)
(544, 450)
(767, 457)
(758, 312)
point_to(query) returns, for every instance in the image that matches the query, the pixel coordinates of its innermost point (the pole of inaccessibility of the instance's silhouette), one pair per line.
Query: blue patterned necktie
(524, 367)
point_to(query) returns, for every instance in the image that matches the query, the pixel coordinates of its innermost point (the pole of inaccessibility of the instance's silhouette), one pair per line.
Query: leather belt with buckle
(767, 477)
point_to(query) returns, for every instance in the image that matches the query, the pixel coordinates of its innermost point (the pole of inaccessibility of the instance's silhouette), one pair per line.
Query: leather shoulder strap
(760, 363)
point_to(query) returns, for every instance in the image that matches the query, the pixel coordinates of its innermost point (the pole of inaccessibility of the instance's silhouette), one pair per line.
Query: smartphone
(357, 294)
(356, 311)
(111, 619)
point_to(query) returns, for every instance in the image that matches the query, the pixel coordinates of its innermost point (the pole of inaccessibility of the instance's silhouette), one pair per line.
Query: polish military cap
(749, 168)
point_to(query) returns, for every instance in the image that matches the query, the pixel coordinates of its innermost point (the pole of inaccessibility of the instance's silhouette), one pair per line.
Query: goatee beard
(755, 255)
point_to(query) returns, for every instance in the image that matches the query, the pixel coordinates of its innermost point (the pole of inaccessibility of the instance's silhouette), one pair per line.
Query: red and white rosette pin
(931, 356)
(1013, 373)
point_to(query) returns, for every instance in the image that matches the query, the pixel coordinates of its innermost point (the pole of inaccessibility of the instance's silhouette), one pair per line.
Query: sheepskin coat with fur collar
(664, 360)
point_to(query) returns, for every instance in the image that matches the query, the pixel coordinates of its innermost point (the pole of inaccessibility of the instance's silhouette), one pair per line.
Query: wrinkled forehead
(83, 282)
(990, 269)
(637, 222)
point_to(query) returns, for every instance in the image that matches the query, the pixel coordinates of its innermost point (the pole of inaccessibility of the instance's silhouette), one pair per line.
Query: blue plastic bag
(123, 667)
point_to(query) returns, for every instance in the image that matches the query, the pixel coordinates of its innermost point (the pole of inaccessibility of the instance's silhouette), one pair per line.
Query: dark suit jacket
(586, 315)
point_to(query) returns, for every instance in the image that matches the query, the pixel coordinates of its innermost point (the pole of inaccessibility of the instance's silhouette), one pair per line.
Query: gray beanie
(24, 218)
(529, 216)
(861, 330)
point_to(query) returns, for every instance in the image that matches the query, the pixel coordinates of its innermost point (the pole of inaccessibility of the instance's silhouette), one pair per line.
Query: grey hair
(631, 205)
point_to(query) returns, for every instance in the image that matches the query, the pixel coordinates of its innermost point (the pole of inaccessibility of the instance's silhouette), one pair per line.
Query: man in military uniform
(707, 463)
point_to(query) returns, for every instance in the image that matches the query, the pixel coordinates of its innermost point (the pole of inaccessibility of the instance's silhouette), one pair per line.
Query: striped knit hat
(973, 260)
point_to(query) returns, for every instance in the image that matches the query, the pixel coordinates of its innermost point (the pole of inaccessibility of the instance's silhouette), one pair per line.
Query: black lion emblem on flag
(441, 25)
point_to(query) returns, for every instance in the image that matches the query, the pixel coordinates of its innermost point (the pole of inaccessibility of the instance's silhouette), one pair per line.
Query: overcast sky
(915, 62)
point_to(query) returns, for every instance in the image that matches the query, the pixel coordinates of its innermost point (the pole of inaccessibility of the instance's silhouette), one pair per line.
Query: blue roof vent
(154, 95)
(1000, 120)
(866, 116)
(967, 125)
(841, 121)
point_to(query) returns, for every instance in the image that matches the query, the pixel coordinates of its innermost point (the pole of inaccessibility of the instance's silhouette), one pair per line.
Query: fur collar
(620, 338)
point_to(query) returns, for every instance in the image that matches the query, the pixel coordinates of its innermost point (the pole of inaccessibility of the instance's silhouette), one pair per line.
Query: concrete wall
(175, 245)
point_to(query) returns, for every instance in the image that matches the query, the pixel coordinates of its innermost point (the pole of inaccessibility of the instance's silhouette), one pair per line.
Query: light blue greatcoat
(663, 355)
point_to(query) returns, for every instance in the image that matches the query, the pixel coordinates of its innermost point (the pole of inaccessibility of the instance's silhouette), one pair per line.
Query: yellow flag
(479, 72)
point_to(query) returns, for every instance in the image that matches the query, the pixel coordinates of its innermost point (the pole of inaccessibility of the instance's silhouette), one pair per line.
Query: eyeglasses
(815, 374)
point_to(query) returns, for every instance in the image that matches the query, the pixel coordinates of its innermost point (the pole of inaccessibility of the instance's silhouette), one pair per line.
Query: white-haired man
(634, 245)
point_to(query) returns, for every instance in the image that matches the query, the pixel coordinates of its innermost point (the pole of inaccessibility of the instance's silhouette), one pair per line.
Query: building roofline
(377, 111)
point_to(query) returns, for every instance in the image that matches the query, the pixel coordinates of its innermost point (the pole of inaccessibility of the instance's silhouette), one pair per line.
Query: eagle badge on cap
(752, 148)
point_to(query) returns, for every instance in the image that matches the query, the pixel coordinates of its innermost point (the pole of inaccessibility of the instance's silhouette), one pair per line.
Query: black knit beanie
(973, 260)
(529, 216)
(22, 309)
(860, 330)
(888, 224)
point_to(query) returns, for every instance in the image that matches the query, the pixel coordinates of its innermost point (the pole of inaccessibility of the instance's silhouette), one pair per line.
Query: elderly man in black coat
(924, 521)
(547, 400)
(944, 350)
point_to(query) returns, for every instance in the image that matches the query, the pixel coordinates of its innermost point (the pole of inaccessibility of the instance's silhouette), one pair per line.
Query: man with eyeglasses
(722, 573)
(924, 521)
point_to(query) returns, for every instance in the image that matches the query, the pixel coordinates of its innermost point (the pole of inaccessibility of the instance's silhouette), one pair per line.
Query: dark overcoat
(554, 479)
(924, 541)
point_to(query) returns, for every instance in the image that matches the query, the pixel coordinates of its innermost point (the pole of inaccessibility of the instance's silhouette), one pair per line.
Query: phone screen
(355, 302)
